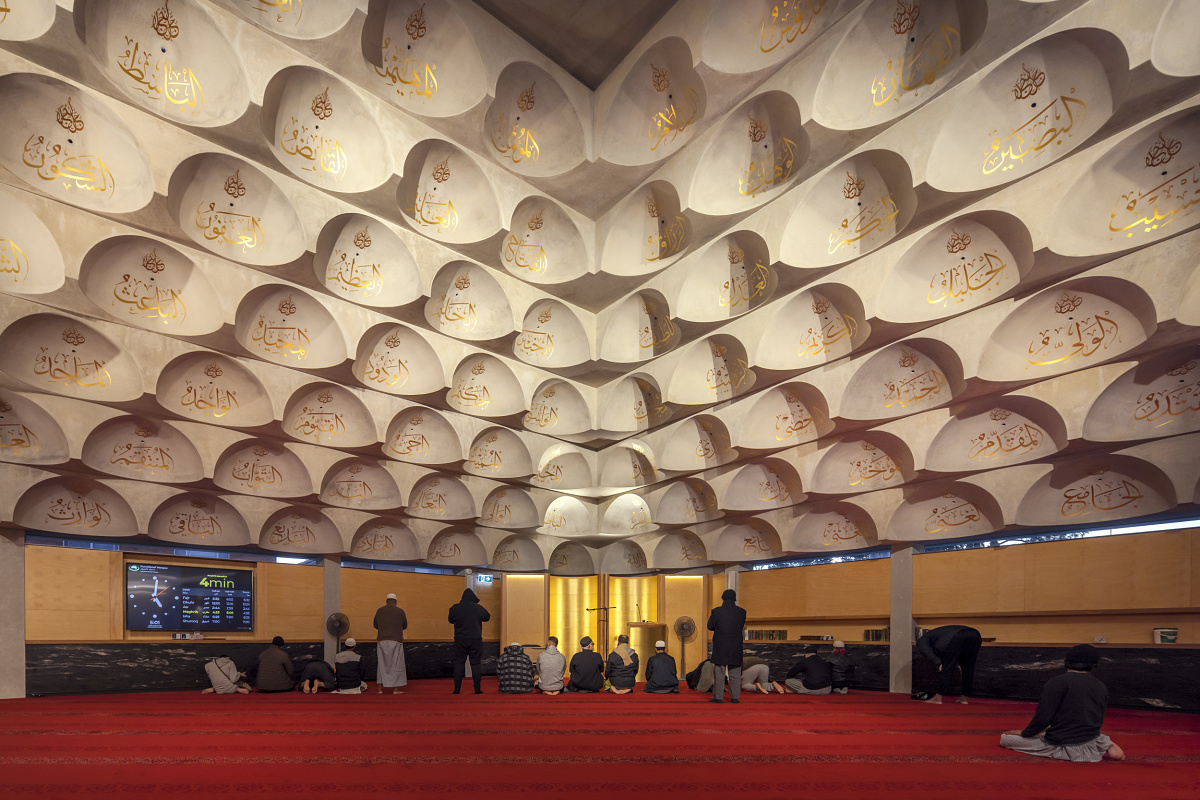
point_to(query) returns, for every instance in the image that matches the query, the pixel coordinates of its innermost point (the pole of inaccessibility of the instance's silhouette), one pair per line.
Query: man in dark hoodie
(622, 667)
(661, 675)
(467, 616)
(726, 622)
(515, 670)
(950, 647)
(587, 668)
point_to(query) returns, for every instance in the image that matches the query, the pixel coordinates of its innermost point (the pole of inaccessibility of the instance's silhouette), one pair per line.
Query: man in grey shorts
(1066, 725)
(809, 675)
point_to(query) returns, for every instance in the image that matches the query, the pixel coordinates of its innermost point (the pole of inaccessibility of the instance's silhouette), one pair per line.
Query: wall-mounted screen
(159, 597)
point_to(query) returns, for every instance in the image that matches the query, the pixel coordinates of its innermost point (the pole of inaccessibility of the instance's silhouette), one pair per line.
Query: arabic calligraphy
(194, 523)
(351, 489)
(429, 499)
(256, 473)
(797, 420)
(507, 555)
(292, 533)
(542, 413)
(744, 285)
(375, 542)
(324, 154)
(843, 530)
(1050, 126)
(209, 397)
(525, 254)
(1099, 492)
(446, 549)
(755, 544)
(142, 456)
(904, 393)
(874, 464)
(66, 368)
(513, 140)
(352, 277)
(666, 239)
(485, 455)
(958, 281)
(470, 393)
(13, 260)
(386, 367)
(725, 376)
(1165, 203)
(670, 121)
(536, 343)
(278, 338)
(699, 504)
(313, 422)
(832, 329)
(454, 310)
(280, 7)
(951, 514)
(175, 84)
(226, 226)
(764, 173)
(147, 298)
(550, 471)
(496, 510)
(16, 437)
(1081, 338)
(773, 490)
(691, 549)
(920, 67)
(51, 162)
(877, 217)
(410, 77)
(1167, 404)
(1001, 440)
(72, 511)
(788, 20)
(649, 404)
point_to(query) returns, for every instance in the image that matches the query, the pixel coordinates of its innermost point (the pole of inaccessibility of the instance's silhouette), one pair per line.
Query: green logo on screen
(134, 568)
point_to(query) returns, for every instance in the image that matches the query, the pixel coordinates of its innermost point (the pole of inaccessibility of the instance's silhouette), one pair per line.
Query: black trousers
(464, 649)
(962, 652)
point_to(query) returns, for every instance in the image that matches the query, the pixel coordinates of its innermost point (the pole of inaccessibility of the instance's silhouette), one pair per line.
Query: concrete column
(900, 668)
(731, 576)
(332, 568)
(12, 614)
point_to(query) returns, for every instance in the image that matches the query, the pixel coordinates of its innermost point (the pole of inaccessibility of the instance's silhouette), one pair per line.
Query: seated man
(661, 676)
(225, 678)
(756, 676)
(515, 670)
(622, 667)
(587, 668)
(317, 675)
(551, 665)
(1066, 724)
(348, 665)
(842, 668)
(275, 671)
(809, 675)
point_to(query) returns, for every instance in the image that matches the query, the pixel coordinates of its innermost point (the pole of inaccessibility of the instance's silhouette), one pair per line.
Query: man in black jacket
(809, 675)
(727, 622)
(950, 647)
(587, 668)
(661, 674)
(842, 668)
(467, 616)
(622, 666)
(348, 667)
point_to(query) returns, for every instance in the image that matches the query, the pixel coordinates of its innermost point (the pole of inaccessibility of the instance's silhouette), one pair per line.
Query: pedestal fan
(685, 629)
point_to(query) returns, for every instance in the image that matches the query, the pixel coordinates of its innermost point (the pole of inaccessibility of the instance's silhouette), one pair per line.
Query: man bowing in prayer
(391, 623)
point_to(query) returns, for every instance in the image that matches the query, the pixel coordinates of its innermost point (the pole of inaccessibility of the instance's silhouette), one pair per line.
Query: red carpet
(428, 743)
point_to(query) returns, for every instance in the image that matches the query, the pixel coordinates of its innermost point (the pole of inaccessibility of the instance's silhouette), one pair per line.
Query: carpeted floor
(428, 743)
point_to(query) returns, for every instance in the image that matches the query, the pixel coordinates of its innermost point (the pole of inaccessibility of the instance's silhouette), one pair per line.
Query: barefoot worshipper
(391, 622)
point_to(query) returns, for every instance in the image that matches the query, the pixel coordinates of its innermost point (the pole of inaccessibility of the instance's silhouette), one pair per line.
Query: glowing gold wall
(569, 621)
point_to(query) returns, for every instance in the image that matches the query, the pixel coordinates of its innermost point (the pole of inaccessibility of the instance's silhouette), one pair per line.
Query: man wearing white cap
(348, 666)
(661, 677)
(391, 623)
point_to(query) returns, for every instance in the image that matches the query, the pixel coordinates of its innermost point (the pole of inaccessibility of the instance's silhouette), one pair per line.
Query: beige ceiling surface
(385, 279)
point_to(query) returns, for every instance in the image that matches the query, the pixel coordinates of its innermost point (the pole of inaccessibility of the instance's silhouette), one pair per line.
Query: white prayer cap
(661, 644)
(391, 596)
(515, 644)
(350, 642)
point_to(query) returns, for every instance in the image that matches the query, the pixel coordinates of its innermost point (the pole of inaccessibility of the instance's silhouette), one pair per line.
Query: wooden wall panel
(69, 596)
(524, 611)
(855, 587)
(426, 600)
(489, 595)
(291, 601)
(772, 592)
(971, 581)
(684, 596)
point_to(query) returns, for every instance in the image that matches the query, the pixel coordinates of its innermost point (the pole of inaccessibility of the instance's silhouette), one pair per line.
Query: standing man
(726, 622)
(950, 647)
(391, 623)
(467, 616)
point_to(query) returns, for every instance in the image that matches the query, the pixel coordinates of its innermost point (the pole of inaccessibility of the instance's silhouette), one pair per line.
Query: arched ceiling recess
(285, 325)
(233, 209)
(361, 259)
(712, 370)
(28, 433)
(754, 539)
(855, 207)
(142, 449)
(398, 360)
(424, 58)
(816, 326)
(467, 303)
(60, 355)
(1073, 325)
(959, 265)
(1171, 52)
(499, 453)
(75, 506)
(877, 460)
(531, 127)
(457, 547)
(385, 539)
(997, 433)
(755, 155)
(329, 415)
(543, 245)
(1096, 488)
(647, 232)
(360, 483)
(950, 510)
(743, 36)
(295, 20)
(634, 403)
(176, 62)
(29, 252)
(1145, 181)
(445, 195)
(518, 554)
(484, 386)
(199, 519)
(149, 284)
(1032, 109)
(557, 409)
(729, 278)
(902, 379)
(27, 21)
(552, 336)
(572, 558)
(440, 496)
(894, 58)
(422, 436)
(70, 145)
(262, 468)
(638, 329)
(213, 388)
(300, 529)
(1159, 396)
(785, 415)
(832, 527)
(508, 507)
(323, 133)
(658, 107)
(689, 501)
